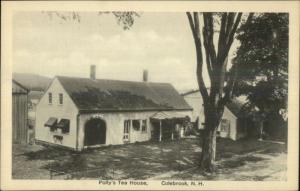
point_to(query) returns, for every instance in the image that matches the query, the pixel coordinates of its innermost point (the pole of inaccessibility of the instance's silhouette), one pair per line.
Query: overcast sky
(162, 43)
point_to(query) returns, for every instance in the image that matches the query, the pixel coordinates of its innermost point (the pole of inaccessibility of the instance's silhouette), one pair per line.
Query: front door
(95, 132)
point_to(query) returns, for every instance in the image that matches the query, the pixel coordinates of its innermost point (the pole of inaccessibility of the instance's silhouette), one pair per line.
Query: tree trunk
(216, 64)
(208, 155)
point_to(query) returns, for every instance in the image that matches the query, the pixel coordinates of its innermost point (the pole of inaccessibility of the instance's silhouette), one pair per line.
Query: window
(50, 98)
(126, 130)
(136, 125)
(52, 122)
(144, 126)
(64, 125)
(126, 126)
(224, 125)
(61, 99)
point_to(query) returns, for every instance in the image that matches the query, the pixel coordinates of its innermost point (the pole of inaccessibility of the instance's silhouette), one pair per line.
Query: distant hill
(32, 82)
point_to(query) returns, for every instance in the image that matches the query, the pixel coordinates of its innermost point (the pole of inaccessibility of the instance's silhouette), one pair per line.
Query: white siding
(233, 123)
(67, 110)
(195, 101)
(115, 126)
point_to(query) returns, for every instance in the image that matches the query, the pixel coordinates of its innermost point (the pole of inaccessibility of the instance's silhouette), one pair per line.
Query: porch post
(160, 131)
(173, 129)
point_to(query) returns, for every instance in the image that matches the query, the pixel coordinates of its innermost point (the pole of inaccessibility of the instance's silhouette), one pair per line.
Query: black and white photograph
(130, 97)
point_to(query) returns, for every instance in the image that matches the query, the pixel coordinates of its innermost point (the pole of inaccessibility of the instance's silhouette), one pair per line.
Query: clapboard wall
(19, 113)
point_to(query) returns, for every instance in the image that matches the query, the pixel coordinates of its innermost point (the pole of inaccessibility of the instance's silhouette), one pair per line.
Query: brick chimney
(93, 72)
(145, 76)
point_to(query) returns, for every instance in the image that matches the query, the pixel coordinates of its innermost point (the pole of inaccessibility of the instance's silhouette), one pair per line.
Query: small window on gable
(61, 99)
(144, 126)
(50, 98)
(136, 125)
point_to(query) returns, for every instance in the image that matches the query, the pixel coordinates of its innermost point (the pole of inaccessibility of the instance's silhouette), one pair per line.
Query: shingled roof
(114, 95)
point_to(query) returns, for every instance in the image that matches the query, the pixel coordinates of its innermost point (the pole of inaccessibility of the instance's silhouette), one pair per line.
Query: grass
(226, 148)
(137, 161)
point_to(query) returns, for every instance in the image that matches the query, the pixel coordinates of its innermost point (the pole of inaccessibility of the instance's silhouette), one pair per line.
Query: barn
(79, 113)
(235, 122)
(19, 113)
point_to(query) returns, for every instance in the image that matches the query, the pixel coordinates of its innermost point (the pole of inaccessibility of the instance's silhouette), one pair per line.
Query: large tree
(221, 84)
(263, 61)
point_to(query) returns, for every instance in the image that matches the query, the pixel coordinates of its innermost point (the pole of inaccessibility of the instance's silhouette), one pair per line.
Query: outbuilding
(235, 121)
(87, 112)
(19, 113)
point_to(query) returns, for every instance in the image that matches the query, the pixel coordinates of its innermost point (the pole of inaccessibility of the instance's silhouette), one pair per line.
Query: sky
(162, 43)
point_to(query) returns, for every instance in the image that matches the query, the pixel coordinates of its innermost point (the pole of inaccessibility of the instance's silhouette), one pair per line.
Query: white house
(234, 122)
(87, 112)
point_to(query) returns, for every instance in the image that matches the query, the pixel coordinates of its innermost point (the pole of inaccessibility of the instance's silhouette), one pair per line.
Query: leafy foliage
(125, 19)
(262, 62)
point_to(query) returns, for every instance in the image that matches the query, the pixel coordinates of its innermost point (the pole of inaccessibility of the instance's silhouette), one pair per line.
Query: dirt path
(256, 166)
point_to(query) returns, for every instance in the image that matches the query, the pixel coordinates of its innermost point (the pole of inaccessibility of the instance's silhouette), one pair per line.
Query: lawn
(237, 160)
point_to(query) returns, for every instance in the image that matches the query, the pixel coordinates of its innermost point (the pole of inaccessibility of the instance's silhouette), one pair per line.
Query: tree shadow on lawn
(146, 159)
(48, 153)
(134, 161)
(239, 161)
(222, 168)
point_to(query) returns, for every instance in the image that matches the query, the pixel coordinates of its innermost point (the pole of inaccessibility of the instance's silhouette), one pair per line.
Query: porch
(169, 126)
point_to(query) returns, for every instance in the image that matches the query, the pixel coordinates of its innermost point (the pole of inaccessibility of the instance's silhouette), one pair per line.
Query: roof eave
(85, 111)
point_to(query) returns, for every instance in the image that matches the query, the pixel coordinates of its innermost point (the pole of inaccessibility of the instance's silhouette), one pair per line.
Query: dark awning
(63, 123)
(51, 122)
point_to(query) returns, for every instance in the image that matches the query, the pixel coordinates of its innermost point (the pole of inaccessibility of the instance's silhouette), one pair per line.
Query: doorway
(95, 132)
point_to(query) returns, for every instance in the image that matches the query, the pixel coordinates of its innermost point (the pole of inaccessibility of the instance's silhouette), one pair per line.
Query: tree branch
(197, 26)
(229, 25)
(194, 24)
(222, 37)
(209, 35)
(250, 17)
(232, 79)
(232, 31)
(208, 61)
(190, 18)
(229, 87)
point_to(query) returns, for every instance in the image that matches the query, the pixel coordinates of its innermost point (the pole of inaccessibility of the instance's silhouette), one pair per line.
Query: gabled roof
(236, 107)
(114, 95)
(18, 88)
